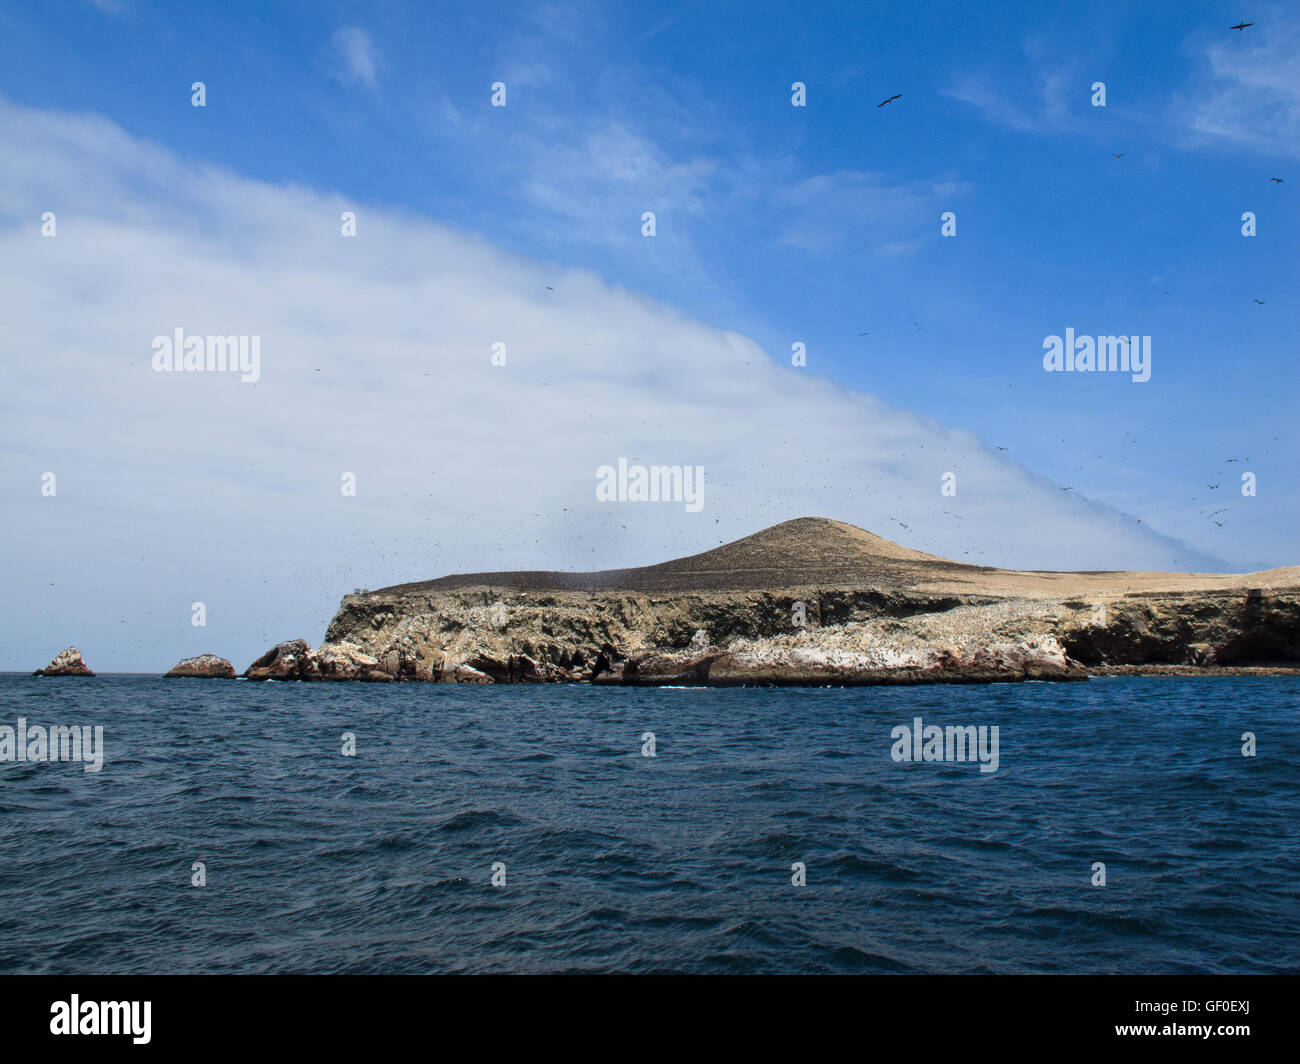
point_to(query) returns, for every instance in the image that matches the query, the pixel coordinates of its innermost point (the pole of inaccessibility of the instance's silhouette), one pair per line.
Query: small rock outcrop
(290, 660)
(67, 663)
(204, 666)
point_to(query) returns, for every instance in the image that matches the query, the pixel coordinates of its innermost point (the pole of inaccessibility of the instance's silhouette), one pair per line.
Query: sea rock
(207, 666)
(344, 660)
(67, 663)
(290, 660)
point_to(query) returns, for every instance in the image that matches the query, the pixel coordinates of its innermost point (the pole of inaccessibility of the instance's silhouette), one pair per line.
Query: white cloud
(1036, 98)
(1247, 93)
(357, 55)
(175, 488)
(863, 208)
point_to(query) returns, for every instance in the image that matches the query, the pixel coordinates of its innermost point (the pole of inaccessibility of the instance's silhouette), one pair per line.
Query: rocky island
(204, 666)
(808, 602)
(66, 663)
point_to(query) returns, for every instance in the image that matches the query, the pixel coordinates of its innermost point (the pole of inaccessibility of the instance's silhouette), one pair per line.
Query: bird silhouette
(1119, 156)
(1261, 302)
(1277, 180)
(896, 96)
(1241, 26)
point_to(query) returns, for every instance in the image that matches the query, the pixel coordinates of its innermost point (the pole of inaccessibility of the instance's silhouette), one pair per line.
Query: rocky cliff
(810, 601)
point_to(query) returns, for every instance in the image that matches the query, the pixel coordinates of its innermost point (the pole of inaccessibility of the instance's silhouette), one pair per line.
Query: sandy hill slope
(818, 552)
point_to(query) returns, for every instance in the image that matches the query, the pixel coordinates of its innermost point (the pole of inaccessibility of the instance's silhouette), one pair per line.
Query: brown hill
(818, 552)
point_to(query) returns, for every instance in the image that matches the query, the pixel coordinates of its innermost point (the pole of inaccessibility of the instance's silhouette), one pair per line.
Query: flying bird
(1261, 302)
(1241, 26)
(1278, 180)
(896, 96)
(1119, 156)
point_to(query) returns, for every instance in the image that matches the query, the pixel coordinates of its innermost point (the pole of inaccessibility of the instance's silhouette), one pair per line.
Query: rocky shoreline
(810, 602)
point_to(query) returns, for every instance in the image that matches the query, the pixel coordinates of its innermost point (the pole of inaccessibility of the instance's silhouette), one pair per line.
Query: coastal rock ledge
(67, 663)
(205, 666)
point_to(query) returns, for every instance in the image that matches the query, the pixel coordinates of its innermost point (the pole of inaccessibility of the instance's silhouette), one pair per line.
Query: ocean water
(382, 862)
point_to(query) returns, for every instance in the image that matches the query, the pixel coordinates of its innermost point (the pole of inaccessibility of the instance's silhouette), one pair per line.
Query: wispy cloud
(1033, 99)
(1246, 93)
(357, 56)
(866, 209)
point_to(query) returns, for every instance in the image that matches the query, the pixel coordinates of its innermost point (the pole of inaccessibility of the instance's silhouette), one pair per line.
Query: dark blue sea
(681, 862)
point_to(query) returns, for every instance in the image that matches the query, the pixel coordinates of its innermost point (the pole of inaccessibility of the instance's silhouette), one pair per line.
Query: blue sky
(774, 223)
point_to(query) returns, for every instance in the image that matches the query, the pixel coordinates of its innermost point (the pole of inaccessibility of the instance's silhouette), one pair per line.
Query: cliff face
(811, 601)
